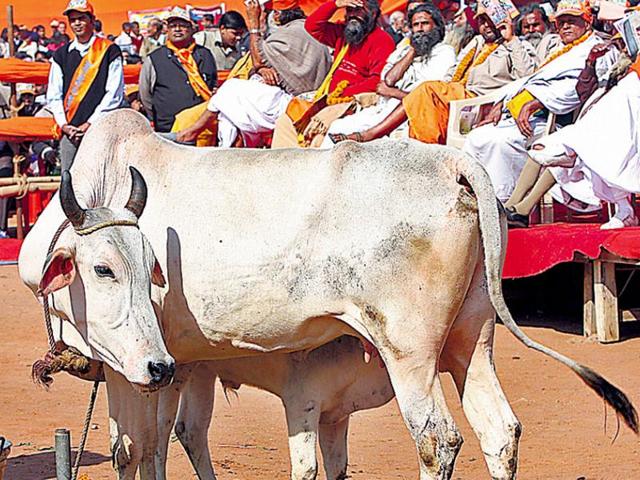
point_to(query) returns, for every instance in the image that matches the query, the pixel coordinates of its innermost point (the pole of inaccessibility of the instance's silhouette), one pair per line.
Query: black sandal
(341, 137)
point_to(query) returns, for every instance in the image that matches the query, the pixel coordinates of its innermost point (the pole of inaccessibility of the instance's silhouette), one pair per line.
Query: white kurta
(606, 141)
(421, 70)
(502, 148)
(247, 106)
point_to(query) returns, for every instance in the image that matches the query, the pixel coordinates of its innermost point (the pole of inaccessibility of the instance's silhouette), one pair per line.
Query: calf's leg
(333, 445)
(169, 398)
(194, 418)
(132, 421)
(303, 417)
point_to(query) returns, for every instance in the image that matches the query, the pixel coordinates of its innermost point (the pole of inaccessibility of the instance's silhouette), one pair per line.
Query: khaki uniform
(506, 63)
(225, 57)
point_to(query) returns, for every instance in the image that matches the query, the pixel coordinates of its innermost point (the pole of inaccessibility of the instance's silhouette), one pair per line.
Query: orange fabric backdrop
(21, 129)
(114, 12)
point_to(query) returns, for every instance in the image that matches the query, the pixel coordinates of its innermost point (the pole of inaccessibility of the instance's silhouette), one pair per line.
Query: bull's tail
(492, 228)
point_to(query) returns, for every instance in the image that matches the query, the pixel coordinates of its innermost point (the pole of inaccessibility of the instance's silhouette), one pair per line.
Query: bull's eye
(103, 271)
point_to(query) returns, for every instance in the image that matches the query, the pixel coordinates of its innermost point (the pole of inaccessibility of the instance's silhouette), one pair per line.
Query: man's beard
(533, 38)
(356, 30)
(423, 42)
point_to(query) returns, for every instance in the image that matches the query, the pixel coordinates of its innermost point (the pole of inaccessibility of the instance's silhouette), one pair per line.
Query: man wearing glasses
(178, 75)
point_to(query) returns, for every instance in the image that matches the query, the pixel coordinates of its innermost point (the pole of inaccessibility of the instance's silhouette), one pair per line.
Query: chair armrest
(455, 137)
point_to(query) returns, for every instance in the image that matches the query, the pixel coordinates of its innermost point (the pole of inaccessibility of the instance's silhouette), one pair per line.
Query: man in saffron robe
(491, 60)
(85, 80)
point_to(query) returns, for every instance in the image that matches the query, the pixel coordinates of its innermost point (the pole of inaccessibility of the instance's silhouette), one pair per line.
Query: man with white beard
(536, 29)
(421, 58)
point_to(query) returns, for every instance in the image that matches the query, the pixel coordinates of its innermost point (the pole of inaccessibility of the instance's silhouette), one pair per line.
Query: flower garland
(465, 67)
(336, 97)
(565, 49)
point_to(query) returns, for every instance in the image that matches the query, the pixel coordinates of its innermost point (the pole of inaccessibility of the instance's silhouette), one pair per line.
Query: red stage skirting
(533, 250)
(530, 251)
(9, 249)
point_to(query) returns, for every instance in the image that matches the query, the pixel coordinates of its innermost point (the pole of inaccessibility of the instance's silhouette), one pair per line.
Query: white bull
(268, 251)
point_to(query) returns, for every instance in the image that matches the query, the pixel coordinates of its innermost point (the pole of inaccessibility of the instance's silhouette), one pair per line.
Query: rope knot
(68, 359)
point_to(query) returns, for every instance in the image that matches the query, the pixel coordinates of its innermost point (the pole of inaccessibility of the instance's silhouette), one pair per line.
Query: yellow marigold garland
(463, 66)
(462, 72)
(336, 97)
(565, 49)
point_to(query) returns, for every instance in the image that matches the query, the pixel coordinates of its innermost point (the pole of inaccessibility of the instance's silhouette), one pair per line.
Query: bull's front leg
(132, 421)
(303, 416)
(333, 445)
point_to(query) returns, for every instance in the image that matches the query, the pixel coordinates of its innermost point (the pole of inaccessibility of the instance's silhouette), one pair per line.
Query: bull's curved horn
(138, 198)
(70, 206)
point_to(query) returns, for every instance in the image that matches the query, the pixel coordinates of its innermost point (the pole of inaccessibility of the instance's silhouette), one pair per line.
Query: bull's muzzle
(161, 373)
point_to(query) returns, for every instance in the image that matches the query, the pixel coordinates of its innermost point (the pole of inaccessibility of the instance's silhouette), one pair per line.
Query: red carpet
(530, 251)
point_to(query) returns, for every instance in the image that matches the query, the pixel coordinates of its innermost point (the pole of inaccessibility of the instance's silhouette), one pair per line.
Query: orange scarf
(84, 76)
(635, 66)
(185, 57)
(464, 67)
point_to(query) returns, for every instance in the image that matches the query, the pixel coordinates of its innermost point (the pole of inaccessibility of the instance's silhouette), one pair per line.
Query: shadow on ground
(42, 465)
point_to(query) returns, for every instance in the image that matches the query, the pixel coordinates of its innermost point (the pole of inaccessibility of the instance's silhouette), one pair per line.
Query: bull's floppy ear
(59, 272)
(157, 278)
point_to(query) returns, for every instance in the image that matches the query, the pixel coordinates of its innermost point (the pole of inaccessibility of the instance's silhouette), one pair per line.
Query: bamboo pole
(16, 190)
(15, 181)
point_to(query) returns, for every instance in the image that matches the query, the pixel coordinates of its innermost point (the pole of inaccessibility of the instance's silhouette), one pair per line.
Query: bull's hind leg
(333, 445)
(425, 413)
(468, 355)
(409, 333)
(417, 301)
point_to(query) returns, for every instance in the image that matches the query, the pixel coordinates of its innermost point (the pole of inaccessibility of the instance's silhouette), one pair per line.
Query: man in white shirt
(76, 101)
(124, 40)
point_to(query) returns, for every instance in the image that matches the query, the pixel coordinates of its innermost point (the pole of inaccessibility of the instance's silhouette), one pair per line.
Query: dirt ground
(564, 423)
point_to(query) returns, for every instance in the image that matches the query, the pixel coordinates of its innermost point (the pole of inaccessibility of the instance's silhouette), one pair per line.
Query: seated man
(600, 153)
(501, 144)
(491, 60)
(361, 49)
(535, 28)
(425, 57)
(286, 63)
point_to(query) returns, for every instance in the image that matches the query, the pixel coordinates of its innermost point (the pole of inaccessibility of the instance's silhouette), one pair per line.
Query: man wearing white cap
(178, 75)
(518, 120)
(86, 79)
